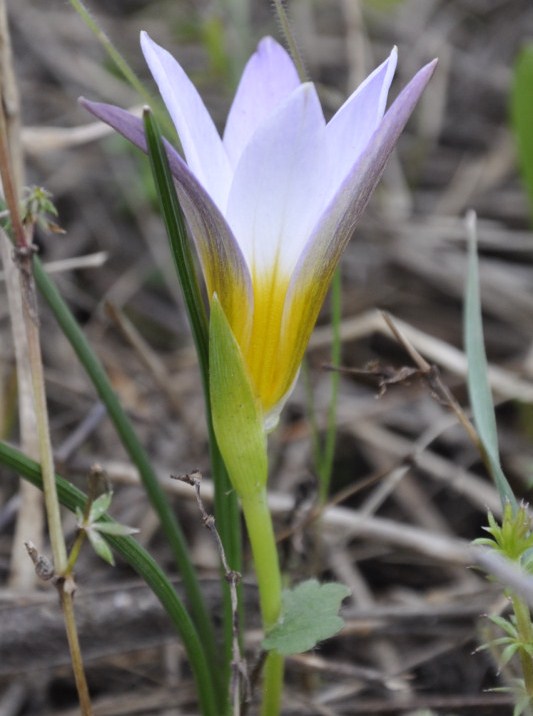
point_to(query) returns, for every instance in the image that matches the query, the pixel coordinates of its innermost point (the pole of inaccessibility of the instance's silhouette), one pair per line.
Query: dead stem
(23, 257)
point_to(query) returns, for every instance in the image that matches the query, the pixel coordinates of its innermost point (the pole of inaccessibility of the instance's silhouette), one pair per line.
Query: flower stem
(261, 533)
(290, 39)
(525, 631)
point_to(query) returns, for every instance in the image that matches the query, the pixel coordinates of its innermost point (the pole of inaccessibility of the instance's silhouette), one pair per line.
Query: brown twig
(238, 663)
(22, 236)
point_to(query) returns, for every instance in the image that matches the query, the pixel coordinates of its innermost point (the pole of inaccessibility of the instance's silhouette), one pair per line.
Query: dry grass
(414, 617)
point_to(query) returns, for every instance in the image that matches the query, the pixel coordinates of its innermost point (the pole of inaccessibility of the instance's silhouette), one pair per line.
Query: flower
(272, 204)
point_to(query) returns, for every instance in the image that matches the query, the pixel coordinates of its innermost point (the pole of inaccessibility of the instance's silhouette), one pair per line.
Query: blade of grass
(478, 384)
(522, 117)
(142, 562)
(226, 506)
(137, 453)
(325, 467)
(119, 61)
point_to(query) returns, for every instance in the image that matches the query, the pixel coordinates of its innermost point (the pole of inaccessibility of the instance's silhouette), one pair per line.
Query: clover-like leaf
(309, 615)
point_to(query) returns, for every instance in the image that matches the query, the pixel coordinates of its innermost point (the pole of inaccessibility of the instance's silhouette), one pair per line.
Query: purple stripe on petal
(312, 275)
(198, 135)
(222, 261)
(351, 128)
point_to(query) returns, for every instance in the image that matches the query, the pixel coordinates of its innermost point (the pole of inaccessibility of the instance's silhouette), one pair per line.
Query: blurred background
(401, 461)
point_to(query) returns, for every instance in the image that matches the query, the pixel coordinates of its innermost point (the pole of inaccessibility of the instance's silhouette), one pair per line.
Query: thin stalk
(290, 39)
(525, 631)
(31, 323)
(262, 539)
(119, 61)
(67, 605)
(145, 566)
(135, 450)
(325, 466)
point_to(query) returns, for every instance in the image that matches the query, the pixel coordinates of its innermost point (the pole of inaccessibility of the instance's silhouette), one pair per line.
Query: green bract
(237, 414)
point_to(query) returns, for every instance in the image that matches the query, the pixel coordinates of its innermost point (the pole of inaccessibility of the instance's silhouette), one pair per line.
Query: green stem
(262, 539)
(325, 466)
(272, 684)
(525, 631)
(290, 39)
(75, 553)
(115, 56)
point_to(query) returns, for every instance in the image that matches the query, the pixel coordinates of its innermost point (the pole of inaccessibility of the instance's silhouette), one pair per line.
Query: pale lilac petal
(349, 131)
(222, 262)
(198, 135)
(315, 268)
(268, 78)
(278, 187)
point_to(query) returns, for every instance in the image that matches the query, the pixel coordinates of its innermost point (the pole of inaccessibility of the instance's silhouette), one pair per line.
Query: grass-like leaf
(137, 453)
(226, 506)
(478, 383)
(522, 117)
(72, 498)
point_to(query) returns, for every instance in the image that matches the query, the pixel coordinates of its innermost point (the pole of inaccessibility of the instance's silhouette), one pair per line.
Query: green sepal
(237, 416)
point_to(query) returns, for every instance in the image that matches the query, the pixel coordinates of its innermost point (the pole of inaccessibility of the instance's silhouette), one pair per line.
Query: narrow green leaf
(114, 528)
(237, 416)
(309, 615)
(178, 238)
(137, 557)
(504, 625)
(325, 465)
(507, 654)
(226, 506)
(137, 453)
(478, 383)
(100, 546)
(522, 116)
(100, 506)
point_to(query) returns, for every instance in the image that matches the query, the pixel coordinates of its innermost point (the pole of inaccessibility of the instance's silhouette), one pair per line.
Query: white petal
(312, 275)
(198, 135)
(349, 131)
(278, 189)
(268, 78)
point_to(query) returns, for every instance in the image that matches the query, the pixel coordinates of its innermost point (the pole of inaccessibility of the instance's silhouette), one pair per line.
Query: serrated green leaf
(309, 615)
(114, 528)
(100, 546)
(478, 384)
(100, 506)
(522, 116)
